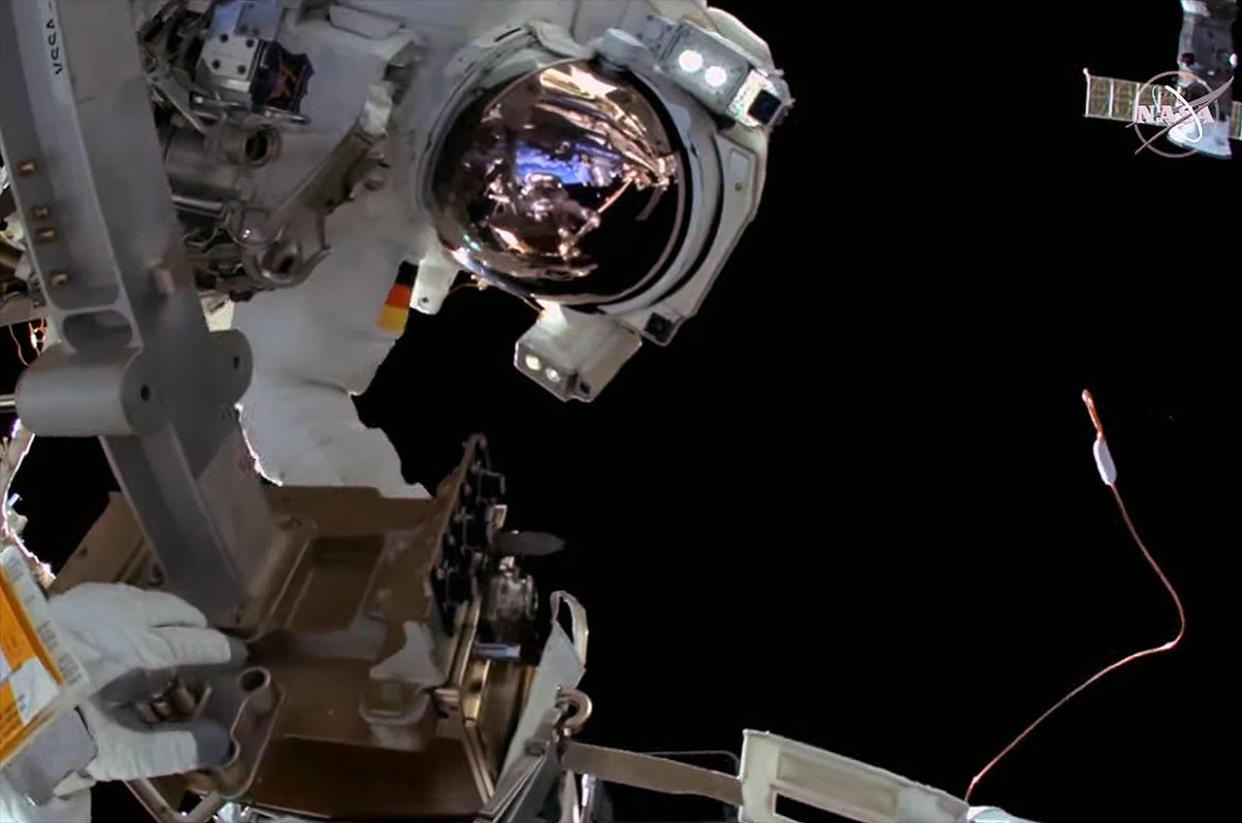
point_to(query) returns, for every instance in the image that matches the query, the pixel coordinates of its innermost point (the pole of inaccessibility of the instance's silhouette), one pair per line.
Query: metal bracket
(774, 766)
(248, 704)
(656, 774)
(436, 273)
(138, 366)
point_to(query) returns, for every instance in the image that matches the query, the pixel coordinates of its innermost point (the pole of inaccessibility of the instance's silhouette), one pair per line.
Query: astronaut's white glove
(114, 630)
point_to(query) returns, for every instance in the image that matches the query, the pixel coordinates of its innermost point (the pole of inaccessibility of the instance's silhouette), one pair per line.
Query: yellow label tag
(38, 675)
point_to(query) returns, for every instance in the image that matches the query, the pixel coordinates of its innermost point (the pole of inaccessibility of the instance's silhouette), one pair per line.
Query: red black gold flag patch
(393, 314)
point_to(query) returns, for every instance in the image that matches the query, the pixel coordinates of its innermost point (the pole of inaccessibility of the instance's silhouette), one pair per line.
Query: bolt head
(57, 279)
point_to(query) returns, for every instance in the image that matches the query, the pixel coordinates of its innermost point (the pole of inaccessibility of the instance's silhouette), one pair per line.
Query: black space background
(854, 501)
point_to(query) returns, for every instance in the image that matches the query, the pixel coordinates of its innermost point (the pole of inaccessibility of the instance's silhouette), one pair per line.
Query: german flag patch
(396, 309)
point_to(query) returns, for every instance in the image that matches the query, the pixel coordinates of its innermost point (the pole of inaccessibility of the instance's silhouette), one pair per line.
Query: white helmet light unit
(608, 183)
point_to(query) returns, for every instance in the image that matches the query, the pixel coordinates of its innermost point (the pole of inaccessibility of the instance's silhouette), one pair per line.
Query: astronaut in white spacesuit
(318, 343)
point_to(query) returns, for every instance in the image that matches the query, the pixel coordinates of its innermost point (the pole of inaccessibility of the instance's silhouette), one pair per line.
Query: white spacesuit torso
(318, 343)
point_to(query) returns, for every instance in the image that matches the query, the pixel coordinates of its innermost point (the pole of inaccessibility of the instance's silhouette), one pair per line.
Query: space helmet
(607, 181)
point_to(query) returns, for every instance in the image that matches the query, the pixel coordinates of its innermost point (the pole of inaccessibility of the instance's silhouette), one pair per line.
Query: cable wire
(21, 355)
(1108, 473)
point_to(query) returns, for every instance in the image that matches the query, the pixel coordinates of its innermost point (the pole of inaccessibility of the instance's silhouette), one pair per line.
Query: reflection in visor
(566, 182)
(588, 165)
